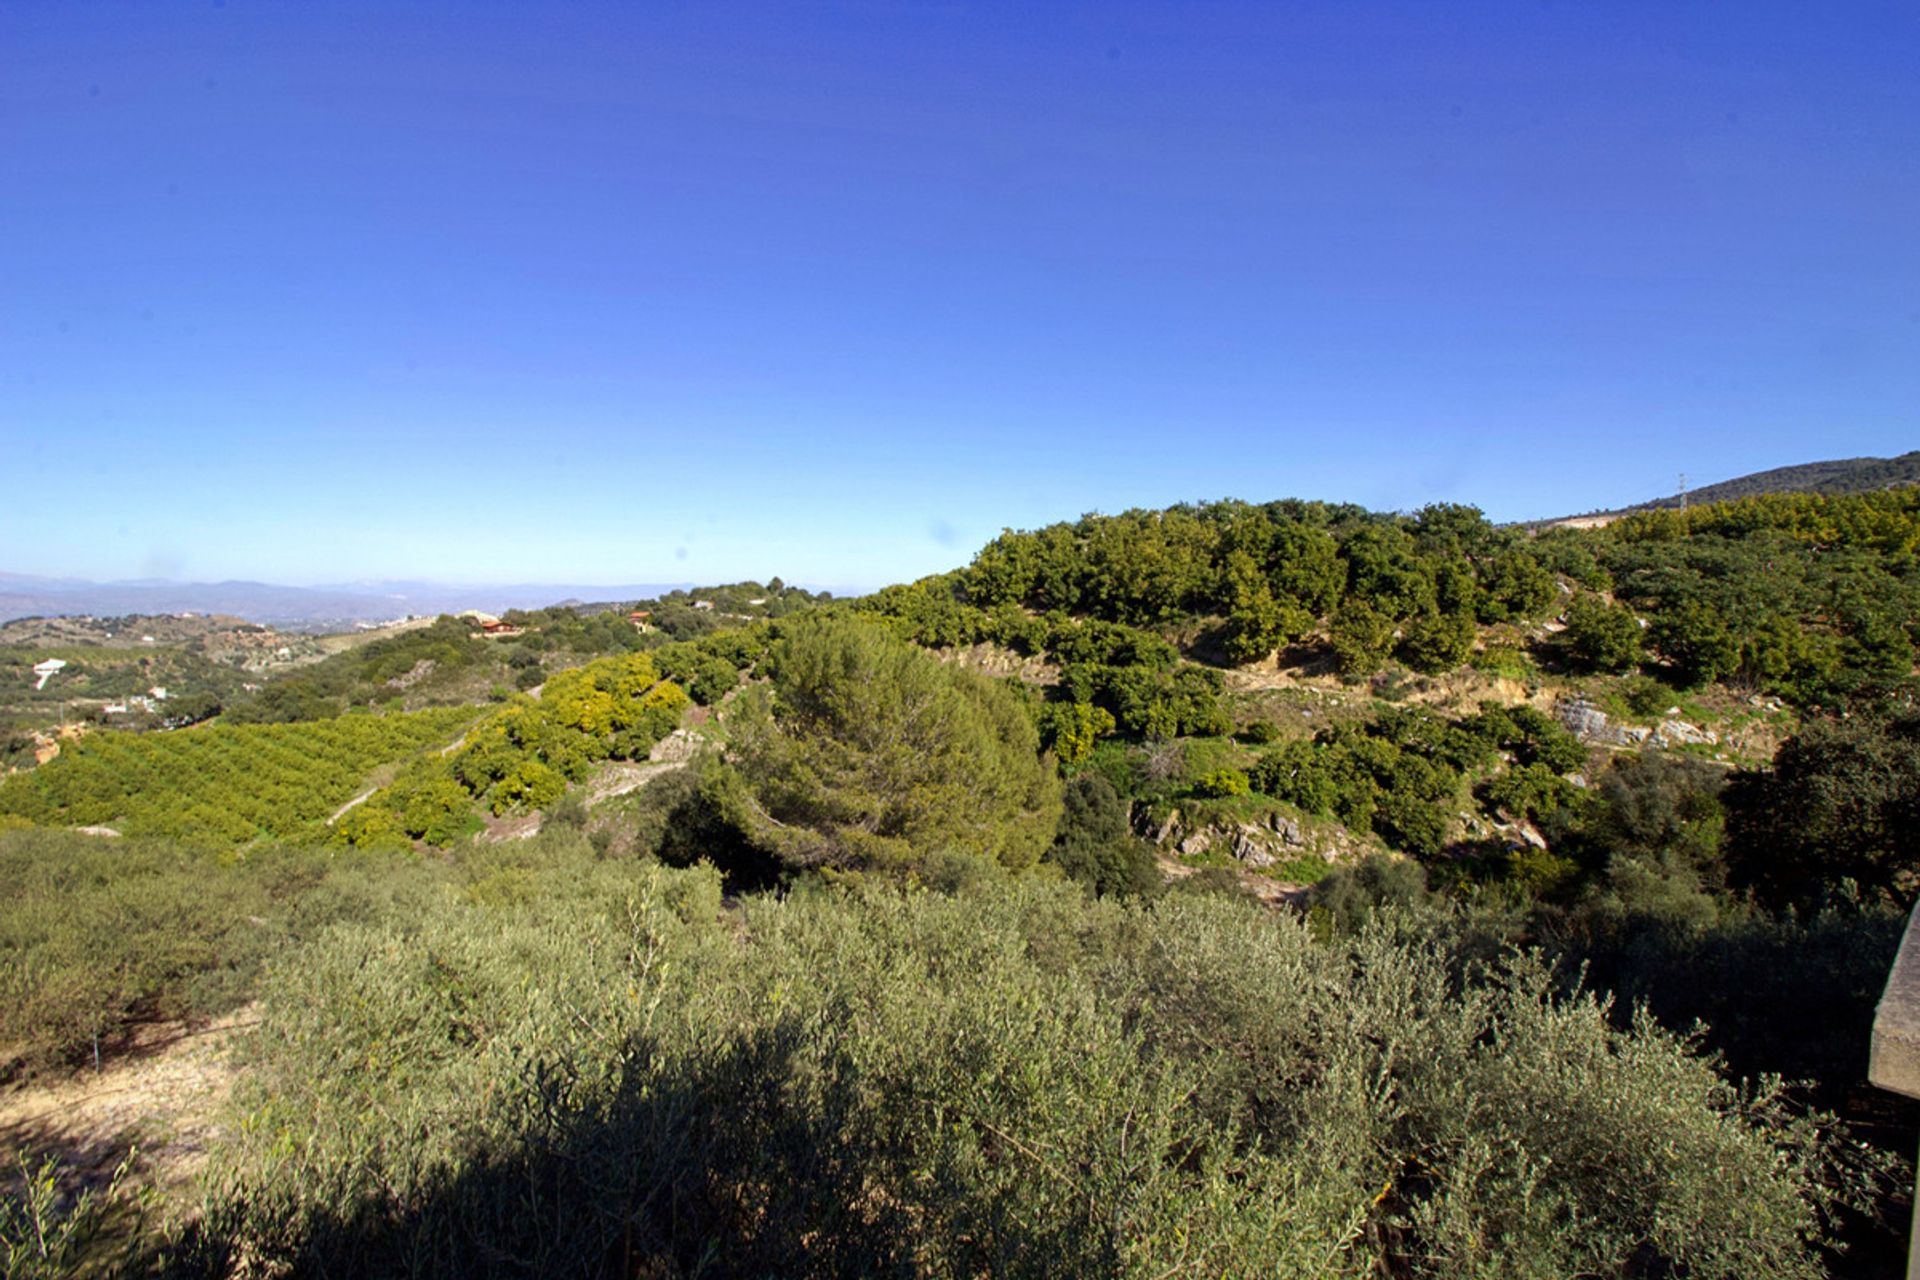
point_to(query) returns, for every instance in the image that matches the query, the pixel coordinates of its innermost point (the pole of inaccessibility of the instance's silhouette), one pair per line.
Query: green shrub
(1096, 845)
(1362, 637)
(1645, 697)
(1437, 642)
(1260, 732)
(1008, 1082)
(863, 753)
(51, 1232)
(1297, 773)
(1349, 897)
(1601, 636)
(95, 935)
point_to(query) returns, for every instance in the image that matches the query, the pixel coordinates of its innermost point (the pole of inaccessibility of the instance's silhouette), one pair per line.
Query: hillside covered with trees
(1281, 889)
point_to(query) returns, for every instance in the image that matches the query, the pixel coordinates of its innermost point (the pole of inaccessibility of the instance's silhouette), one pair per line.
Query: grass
(1508, 661)
(1299, 870)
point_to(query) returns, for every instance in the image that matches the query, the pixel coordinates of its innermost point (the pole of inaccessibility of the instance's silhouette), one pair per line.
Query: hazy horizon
(640, 584)
(302, 295)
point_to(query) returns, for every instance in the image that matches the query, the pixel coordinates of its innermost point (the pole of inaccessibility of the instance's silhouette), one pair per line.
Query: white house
(46, 669)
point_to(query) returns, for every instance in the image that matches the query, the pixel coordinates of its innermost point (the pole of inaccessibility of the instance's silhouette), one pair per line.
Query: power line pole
(1683, 491)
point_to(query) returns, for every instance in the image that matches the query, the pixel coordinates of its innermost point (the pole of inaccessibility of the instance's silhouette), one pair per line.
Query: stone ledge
(1895, 1062)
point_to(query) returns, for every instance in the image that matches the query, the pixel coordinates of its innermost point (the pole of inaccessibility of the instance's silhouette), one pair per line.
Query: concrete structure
(1894, 1064)
(45, 670)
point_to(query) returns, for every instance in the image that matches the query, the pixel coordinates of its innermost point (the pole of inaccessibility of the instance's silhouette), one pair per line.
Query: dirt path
(362, 798)
(165, 1096)
(671, 753)
(366, 795)
(620, 779)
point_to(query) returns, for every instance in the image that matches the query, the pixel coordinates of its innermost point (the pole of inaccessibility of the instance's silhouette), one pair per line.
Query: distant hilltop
(1837, 476)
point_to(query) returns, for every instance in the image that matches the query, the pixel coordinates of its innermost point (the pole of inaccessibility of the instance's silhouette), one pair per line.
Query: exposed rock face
(1589, 723)
(1165, 831)
(1251, 851)
(1592, 725)
(1273, 839)
(412, 675)
(996, 660)
(1676, 733)
(677, 747)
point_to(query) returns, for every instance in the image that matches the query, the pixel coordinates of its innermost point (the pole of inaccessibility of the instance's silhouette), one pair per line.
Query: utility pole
(1683, 491)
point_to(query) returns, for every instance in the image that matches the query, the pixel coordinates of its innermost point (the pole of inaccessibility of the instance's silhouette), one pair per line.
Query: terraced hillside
(230, 783)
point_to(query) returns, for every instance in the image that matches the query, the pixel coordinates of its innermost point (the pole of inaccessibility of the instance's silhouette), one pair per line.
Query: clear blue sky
(640, 292)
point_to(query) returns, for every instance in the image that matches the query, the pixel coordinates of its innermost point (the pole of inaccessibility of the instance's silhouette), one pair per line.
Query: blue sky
(650, 292)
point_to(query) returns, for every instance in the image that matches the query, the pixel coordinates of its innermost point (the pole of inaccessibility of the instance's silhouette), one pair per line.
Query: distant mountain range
(312, 608)
(1839, 475)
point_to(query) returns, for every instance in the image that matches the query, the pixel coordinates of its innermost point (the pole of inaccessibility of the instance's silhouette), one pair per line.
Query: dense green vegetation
(862, 752)
(1519, 1003)
(1814, 598)
(229, 783)
(531, 1059)
(99, 935)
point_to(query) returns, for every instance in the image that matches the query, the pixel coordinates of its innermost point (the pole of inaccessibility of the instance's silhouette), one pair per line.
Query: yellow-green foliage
(1888, 521)
(230, 783)
(1073, 729)
(524, 755)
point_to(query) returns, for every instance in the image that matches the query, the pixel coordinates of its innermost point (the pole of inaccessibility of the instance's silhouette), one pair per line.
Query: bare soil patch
(164, 1095)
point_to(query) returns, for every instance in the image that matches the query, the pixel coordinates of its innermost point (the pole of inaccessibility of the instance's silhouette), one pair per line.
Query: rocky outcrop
(1678, 733)
(1276, 838)
(413, 675)
(1000, 661)
(1593, 726)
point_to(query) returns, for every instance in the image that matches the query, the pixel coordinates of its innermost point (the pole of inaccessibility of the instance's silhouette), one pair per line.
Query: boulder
(1676, 733)
(1287, 829)
(1166, 830)
(1249, 851)
(1585, 721)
